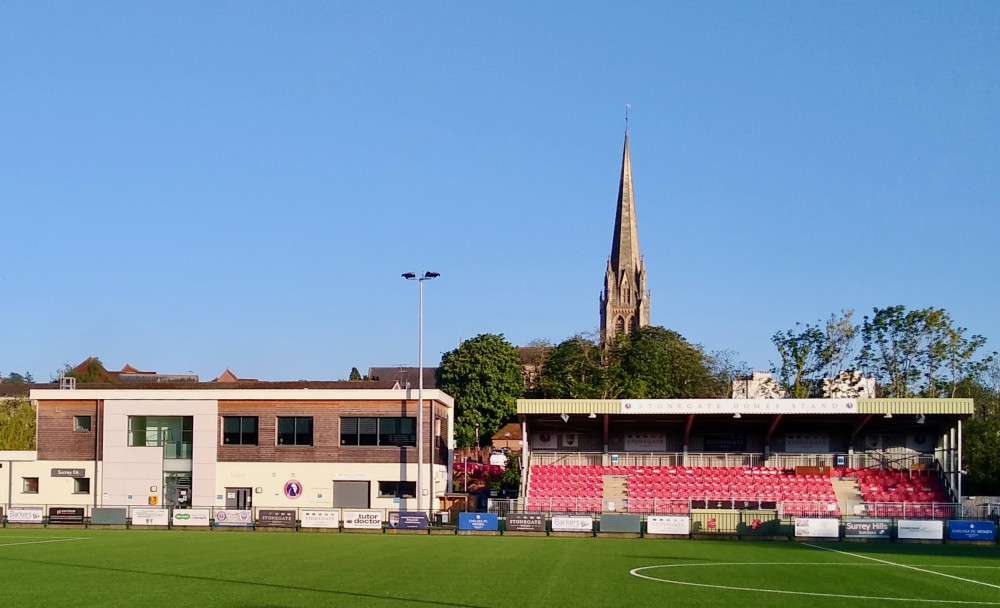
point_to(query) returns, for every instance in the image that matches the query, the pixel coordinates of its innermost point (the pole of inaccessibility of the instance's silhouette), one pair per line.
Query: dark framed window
(81, 485)
(81, 423)
(295, 430)
(239, 430)
(397, 489)
(383, 432)
(29, 485)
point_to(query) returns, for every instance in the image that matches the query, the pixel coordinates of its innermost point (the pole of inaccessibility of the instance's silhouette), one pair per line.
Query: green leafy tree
(16, 378)
(981, 455)
(93, 372)
(575, 370)
(918, 352)
(484, 376)
(657, 363)
(355, 374)
(17, 424)
(811, 352)
(725, 367)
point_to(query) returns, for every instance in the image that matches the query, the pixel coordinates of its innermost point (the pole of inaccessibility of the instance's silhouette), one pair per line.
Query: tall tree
(16, 378)
(811, 352)
(17, 424)
(918, 352)
(657, 363)
(484, 376)
(574, 370)
(355, 374)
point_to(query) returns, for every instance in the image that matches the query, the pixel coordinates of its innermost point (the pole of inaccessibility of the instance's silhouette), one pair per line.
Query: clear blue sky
(196, 186)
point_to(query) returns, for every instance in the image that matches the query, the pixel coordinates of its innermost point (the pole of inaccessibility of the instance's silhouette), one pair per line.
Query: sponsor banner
(868, 528)
(25, 515)
(920, 442)
(570, 440)
(319, 518)
(276, 518)
(544, 441)
(66, 515)
(807, 443)
(405, 520)
(816, 527)
(668, 524)
(725, 442)
(150, 517)
(366, 520)
(972, 530)
(108, 516)
(69, 473)
(192, 517)
(572, 523)
(922, 529)
(525, 522)
(645, 442)
(478, 521)
(233, 517)
(744, 406)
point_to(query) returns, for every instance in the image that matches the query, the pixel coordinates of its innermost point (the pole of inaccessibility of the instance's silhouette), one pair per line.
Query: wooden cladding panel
(56, 438)
(326, 431)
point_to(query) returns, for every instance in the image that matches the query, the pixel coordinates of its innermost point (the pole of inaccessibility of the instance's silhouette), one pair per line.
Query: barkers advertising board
(572, 523)
(25, 515)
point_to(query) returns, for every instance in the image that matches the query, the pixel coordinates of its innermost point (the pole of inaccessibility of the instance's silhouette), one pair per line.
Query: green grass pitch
(177, 569)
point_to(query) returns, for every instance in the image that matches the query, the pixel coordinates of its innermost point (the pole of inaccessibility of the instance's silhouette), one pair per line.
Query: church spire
(625, 301)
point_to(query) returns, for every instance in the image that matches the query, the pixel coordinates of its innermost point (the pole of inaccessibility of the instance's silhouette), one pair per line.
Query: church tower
(625, 301)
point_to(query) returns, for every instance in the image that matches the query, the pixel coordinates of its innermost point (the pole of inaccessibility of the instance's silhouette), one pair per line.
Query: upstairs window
(239, 430)
(295, 430)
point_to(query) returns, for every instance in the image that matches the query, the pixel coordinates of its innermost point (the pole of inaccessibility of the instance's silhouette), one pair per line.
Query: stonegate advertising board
(276, 518)
(668, 524)
(525, 522)
(319, 518)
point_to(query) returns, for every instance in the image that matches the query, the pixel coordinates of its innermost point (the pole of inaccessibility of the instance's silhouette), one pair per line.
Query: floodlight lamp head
(592, 415)
(409, 275)
(431, 275)
(737, 415)
(888, 415)
(921, 418)
(565, 417)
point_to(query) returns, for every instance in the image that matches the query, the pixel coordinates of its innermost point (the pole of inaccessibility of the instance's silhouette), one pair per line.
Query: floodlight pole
(420, 397)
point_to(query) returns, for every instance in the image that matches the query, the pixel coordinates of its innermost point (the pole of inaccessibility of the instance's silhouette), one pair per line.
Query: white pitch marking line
(41, 542)
(637, 572)
(925, 571)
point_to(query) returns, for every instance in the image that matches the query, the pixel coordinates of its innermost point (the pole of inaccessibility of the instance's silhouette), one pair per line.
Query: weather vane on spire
(627, 106)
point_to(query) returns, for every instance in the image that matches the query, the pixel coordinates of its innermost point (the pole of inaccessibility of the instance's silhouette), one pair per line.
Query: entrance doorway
(239, 498)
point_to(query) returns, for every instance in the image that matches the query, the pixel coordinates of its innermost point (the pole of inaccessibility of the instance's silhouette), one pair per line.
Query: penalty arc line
(925, 571)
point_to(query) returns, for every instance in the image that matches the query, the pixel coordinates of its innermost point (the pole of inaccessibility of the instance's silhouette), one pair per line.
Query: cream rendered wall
(55, 491)
(317, 482)
(134, 470)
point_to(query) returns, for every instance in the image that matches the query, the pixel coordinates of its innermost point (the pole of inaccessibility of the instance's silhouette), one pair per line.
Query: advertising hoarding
(971, 530)
(525, 522)
(25, 515)
(478, 521)
(920, 529)
(150, 517)
(817, 527)
(868, 528)
(363, 520)
(319, 518)
(242, 518)
(668, 524)
(572, 523)
(276, 518)
(406, 520)
(192, 517)
(66, 515)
